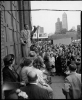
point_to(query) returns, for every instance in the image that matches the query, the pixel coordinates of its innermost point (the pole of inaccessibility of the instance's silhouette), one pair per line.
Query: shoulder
(78, 75)
(68, 78)
(25, 68)
(6, 70)
(39, 71)
(22, 30)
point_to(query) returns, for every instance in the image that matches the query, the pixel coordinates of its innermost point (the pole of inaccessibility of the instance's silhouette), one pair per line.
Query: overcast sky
(47, 19)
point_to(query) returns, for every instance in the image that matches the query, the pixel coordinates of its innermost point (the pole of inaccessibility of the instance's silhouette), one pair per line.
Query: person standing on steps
(26, 39)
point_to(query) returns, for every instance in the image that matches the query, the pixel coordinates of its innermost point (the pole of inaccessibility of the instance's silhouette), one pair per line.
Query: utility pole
(37, 34)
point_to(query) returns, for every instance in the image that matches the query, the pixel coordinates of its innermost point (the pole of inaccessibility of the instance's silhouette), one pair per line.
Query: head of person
(73, 59)
(70, 54)
(72, 67)
(32, 77)
(26, 26)
(32, 54)
(51, 54)
(37, 63)
(9, 60)
(27, 62)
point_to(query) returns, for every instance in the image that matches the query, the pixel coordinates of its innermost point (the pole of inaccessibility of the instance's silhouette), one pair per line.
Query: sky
(47, 19)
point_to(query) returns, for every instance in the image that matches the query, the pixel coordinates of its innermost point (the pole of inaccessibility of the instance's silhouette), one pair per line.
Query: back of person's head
(8, 60)
(32, 77)
(26, 62)
(72, 66)
(37, 63)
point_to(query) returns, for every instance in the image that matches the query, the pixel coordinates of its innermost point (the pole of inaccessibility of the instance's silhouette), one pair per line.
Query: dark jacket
(8, 76)
(35, 92)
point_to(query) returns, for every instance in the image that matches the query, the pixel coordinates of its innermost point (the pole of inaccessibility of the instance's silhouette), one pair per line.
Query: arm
(32, 32)
(21, 37)
(66, 88)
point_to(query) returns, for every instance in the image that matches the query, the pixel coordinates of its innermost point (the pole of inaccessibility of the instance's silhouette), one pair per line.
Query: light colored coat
(73, 85)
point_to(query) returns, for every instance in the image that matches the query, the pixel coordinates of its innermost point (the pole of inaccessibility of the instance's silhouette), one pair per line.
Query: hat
(8, 59)
(32, 54)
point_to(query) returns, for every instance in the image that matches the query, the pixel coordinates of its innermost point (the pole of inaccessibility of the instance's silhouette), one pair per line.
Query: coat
(73, 85)
(35, 92)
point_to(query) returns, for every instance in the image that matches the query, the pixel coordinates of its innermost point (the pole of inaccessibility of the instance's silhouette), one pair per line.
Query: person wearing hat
(9, 73)
(11, 79)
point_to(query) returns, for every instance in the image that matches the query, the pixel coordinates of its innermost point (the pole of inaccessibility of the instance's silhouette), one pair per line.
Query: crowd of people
(44, 61)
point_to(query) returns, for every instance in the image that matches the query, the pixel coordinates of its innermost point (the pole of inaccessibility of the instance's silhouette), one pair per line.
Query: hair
(26, 62)
(25, 25)
(8, 60)
(37, 63)
(32, 76)
(72, 66)
(72, 58)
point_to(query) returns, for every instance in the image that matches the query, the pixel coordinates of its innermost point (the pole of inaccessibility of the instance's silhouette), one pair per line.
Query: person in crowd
(33, 90)
(37, 64)
(63, 63)
(72, 85)
(52, 63)
(11, 79)
(26, 37)
(41, 77)
(58, 65)
(9, 72)
(46, 61)
(26, 68)
(78, 63)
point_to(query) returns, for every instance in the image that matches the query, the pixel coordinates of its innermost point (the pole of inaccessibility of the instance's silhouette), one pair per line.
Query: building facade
(58, 26)
(64, 21)
(78, 31)
(65, 41)
(13, 18)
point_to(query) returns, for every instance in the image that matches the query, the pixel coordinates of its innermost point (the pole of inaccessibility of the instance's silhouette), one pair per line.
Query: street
(57, 84)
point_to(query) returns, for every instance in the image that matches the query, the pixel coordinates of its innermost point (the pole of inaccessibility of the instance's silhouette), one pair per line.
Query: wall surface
(12, 22)
(62, 41)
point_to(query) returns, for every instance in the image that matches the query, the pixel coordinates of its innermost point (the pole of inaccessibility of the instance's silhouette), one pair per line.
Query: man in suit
(33, 90)
(72, 86)
(26, 38)
(58, 65)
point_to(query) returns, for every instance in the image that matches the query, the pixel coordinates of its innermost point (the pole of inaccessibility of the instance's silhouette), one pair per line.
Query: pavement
(57, 85)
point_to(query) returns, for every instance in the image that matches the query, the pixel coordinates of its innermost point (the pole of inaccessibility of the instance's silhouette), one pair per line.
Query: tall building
(41, 30)
(64, 21)
(78, 31)
(58, 26)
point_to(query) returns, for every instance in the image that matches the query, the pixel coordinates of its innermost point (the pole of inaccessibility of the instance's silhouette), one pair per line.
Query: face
(26, 27)
(51, 55)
